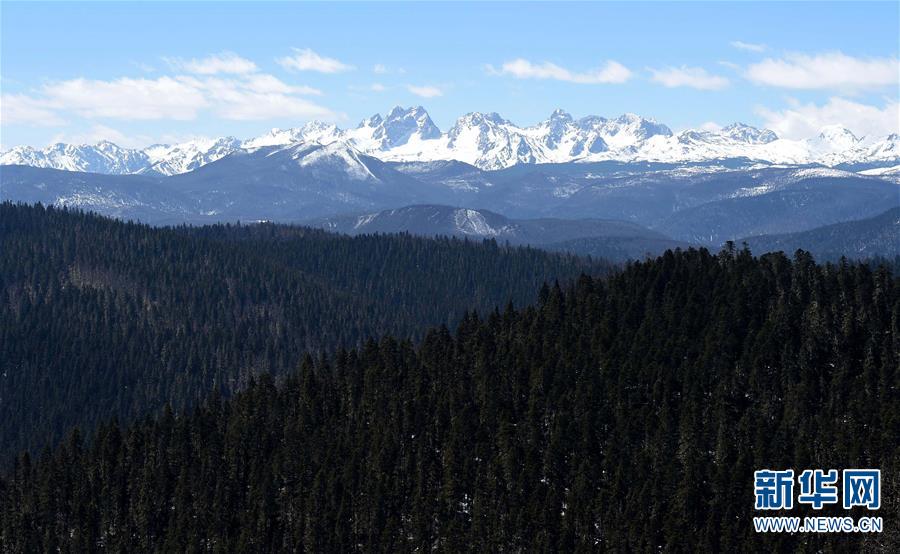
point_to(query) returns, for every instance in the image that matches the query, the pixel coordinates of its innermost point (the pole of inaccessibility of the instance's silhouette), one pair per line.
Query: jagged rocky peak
(479, 119)
(399, 126)
(693, 136)
(318, 131)
(484, 132)
(641, 127)
(103, 157)
(479, 124)
(274, 137)
(742, 132)
(559, 121)
(108, 146)
(558, 126)
(230, 142)
(414, 120)
(483, 139)
(374, 121)
(590, 122)
(559, 115)
(190, 155)
(318, 126)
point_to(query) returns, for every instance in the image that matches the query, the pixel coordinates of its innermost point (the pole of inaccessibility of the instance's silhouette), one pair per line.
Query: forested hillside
(865, 238)
(620, 414)
(102, 319)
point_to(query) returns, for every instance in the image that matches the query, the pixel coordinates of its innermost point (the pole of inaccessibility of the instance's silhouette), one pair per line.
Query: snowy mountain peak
(104, 157)
(837, 135)
(413, 120)
(188, 156)
(832, 140)
(108, 146)
(626, 132)
(559, 128)
(274, 137)
(643, 126)
(479, 119)
(324, 133)
(396, 111)
(338, 157)
(491, 142)
(741, 132)
(590, 122)
(314, 126)
(486, 140)
(397, 128)
(413, 112)
(374, 121)
(558, 121)
(560, 115)
(629, 117)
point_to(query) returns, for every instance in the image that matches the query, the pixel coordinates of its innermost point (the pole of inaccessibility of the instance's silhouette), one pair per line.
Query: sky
(143, 73)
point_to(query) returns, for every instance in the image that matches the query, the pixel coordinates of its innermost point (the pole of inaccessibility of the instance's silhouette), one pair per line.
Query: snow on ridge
(485, 140)
(334, 155)
(472, 222)
(879, 171)
(812, 172)
(364, 220)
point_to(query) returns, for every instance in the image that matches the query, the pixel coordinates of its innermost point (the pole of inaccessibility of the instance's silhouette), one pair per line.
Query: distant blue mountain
(699, 203)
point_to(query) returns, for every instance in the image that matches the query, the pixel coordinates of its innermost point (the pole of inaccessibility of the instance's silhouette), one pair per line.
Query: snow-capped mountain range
(487, 141)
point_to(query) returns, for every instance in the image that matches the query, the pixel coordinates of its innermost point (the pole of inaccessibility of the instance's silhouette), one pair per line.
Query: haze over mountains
(489, 142)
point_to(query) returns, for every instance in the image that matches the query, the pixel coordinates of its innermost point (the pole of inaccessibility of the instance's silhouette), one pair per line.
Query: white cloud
(825, 71)
(693, 77)
(748, 46)
(226, 62)
(264, 83)
(379, 68)
(800, 121)
(126, 98)
(254, 96)
(22, 109)
(307, 60)
(425, 91)
(711, 126)
(377, 87)
(611, 72)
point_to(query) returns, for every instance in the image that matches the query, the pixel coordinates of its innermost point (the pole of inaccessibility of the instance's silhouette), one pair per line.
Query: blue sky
(138, 73)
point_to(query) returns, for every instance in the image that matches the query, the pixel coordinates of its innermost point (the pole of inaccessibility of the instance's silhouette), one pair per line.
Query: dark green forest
(103, 319)
(624, 412)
